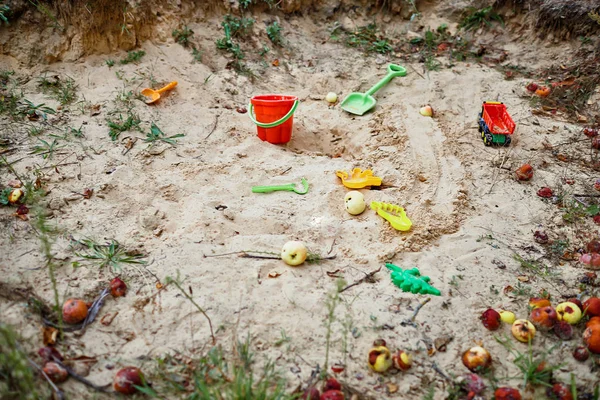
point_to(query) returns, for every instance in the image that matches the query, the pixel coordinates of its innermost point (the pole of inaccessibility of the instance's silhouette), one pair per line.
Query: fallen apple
(531, 87)
(354, 202)
(558, 391)
(491, 319)
(537, 302)
(331, 97)
(591, 307)
(380, 359)
(127, 379)
(591, 338)
(311, 394)
(74, 311)
(118, 288)
(426, 111)
(543, 318)
(477, 359)
(545, 192)
(524, 172)
(474, 383)
(581, 353)
(15, 195)
(294, 253)
(563, 330)
(333, 395)
(508, 317)
(593, 246)
(402, 360)
(506, 393)
(49, 353)
(55, 372)
(523, 330)
(568, 312)
(332, 384)
(540, 237)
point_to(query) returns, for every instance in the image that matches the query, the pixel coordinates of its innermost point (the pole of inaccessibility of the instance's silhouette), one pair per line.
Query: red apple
(524, 172)
(581, 353)
(590, 132)
(543, 318)
(540, 237)
(563, 330)
(55, 372)
(474, 383)
(126, 379)
(332, 395)
(332, 384)
(74, 311)
(505, 393)
(118, 288)
(577, 302)
(591, 338)
(491, 319)
(531, 87)
(545, 192)
(591, 307)
(559, 392)
(49, 353)
(311, 394)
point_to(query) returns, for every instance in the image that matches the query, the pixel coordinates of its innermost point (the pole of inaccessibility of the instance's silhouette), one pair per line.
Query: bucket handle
(271, 124)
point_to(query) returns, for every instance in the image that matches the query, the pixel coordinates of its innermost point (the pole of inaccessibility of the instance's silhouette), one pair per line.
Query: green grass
(117, 127)
(133, 57)
(156, 135)
(3, 10)
(35, 111)
(183, 35)
(217, 375)
(197, 55)
(235, 27)
(111, 254)
(64, 91)
(110, 62)
(274, 33)
(46, 149)
(17, 378)
(478, 18)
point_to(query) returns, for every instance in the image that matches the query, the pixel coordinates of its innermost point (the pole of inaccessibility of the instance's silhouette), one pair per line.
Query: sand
(179, 203)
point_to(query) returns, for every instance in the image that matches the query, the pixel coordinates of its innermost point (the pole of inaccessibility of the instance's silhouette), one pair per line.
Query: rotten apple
(491, 319)
(118, 288)
(126, 379)
(74, 311)
(402, 360)
(568, 312)
(591, 307)
(524, 172)
(581, 353)
(523, 330)
(543, 318)
(506, 393)
(591, 338)
(477, 359)
(55, 372)
(563, 330)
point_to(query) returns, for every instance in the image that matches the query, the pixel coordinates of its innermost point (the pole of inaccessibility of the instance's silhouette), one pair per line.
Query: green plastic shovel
(360, 103)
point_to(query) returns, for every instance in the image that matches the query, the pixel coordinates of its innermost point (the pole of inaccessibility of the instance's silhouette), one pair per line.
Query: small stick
(416, 72)
(80, 378)
(246, 255)
(439, 371)
(60, 395)
(586, 195)
(191, 299)
(411, 320)
(285, 171)
(367, 277)
(214, 126)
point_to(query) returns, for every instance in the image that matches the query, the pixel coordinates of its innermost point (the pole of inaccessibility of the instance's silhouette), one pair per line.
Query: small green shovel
(290, 187)
(360, 103)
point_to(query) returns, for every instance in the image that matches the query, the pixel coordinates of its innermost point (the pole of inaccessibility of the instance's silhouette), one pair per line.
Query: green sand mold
(410, 280)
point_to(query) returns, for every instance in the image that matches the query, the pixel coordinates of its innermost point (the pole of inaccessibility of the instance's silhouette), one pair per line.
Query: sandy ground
(469, 215)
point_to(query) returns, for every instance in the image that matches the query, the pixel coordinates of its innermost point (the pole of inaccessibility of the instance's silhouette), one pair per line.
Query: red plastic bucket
(274, 116)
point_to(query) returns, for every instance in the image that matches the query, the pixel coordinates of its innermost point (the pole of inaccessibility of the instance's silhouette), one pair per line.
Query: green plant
(110, 62)
(117, 127)
(4, 196)
(284, 338)
(37, 130)
(183, 36)
(133, 57)
(274, 33)
(45, 149)
(238, 27)
(33, 111)
(522, 290)
(156, 135)
(332, 301)
(454, 281)
(477, 18)
(381, 46)
(44, 10)
(533, 371)
(3, 10)
(177, 283)
(431, 63)
(111, 254)
(17, 379)
(197, 55)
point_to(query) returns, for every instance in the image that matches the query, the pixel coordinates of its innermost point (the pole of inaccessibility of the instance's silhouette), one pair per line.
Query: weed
(274, 33)
(431, 63)
(18, 379)
(220, 375)
(284, 338)
(36, 130)
(133, 57)
(430, 395)
(494, 290)
(237, 27)
(156, 135)
(522, 290)
(532, 371)
(454, 281)
(34, 112)
(558, 247)
(44, 10)
(45, 149)
(64, 91)
(183, 36)
(110, 62)
(477, 18)
(333, 299)
(116, 128)
(381, 46)
(4, 196)
(197, 55)
(3, 10)
(264, 50)
(111, 254)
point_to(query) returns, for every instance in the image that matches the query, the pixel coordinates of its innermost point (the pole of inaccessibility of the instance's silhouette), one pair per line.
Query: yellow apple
(331, 97)
(293, 253)
(354, 202)
(508, 317)
(569, 312)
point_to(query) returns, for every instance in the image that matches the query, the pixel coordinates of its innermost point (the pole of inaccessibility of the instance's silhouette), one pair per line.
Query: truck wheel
(508, 140)
(488, 139)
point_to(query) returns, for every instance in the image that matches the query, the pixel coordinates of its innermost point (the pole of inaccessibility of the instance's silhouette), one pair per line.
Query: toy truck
(495, 124)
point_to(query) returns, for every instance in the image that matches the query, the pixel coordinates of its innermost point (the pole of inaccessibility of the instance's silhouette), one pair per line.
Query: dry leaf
(159, 286)
(275, 62)
(49, 335)
(95, 109)
(523, 278)
(15, 184)
(87, 193)
(391, 388)
(562, 157)
(441, 342)
(274, 274)
(508, 289)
